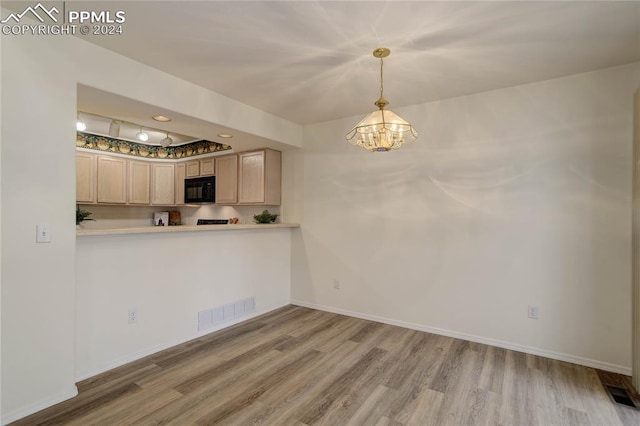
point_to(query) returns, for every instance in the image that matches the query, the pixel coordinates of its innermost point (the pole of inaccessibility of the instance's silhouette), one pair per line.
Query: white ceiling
(310, 61)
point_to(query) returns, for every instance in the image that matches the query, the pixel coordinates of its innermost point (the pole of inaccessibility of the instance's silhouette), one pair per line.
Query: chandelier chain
(381, 86)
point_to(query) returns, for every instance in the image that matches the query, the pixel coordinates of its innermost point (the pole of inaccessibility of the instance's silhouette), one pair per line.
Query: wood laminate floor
(298, 366)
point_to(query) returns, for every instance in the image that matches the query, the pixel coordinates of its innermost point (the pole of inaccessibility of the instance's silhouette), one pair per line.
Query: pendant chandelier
(382, 130)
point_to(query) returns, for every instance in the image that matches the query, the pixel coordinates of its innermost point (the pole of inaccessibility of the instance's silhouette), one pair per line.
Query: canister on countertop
(175, 218)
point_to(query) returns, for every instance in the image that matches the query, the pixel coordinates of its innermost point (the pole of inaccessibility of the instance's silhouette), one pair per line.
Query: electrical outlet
(133, 316)
(336, 284)
(532, 312)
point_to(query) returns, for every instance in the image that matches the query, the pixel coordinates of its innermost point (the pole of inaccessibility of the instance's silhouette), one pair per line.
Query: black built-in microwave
(200, 190)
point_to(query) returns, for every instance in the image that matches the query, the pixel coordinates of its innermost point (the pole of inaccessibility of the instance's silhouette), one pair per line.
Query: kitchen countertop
(181, 228)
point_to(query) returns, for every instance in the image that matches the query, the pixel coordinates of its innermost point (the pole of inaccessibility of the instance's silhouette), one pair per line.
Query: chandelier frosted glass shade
(381, 131)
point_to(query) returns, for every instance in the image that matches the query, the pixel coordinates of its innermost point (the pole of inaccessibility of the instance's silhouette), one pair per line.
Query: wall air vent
(223, 313)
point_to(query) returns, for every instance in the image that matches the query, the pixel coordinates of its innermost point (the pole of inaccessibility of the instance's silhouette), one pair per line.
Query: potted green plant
(82, 215)
(265, 217)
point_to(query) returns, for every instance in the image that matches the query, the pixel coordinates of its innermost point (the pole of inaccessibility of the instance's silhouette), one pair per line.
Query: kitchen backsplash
(110, 217)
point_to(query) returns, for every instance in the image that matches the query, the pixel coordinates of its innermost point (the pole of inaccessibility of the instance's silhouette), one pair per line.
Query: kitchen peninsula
(168, 279)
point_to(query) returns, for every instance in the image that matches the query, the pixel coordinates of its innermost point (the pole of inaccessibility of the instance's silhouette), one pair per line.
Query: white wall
(168, 279)
(0, 238)
(39, 80)
(635, 269)
(510, 198)
(38, 281)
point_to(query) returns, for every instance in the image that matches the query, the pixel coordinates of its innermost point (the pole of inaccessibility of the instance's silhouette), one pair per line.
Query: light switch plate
(43, 234)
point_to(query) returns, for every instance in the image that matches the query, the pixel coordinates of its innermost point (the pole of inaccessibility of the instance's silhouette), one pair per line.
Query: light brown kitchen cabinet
(227, 179)
(207, 167)
(247, 178)
(204, 167)
(162, 184)
(193, 168)
(85, 178)
(259, 177)
(181, 170)
(139, 182)
(112, 180)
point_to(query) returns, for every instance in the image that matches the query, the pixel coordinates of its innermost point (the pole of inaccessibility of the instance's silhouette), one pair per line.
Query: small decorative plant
(82, 215)
(265, 217)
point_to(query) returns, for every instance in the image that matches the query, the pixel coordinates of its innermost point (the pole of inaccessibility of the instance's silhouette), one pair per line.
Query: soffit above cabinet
(127, 131)
(101, 103)
(118, 146)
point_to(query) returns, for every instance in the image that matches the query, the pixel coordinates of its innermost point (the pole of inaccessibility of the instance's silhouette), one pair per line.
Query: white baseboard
(152, 350)
(477, 339)
(40, 405)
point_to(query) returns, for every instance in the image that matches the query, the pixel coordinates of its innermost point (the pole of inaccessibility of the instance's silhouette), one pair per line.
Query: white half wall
(510, 198)
(168, 279)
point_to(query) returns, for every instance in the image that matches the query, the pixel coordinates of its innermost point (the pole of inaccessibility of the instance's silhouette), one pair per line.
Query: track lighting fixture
(81, 126)
(142, 136)
(114, 129)
(166, 141)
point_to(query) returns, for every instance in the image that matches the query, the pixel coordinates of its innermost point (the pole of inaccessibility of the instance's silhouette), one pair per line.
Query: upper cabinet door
(193, 168)
(181, 172)
(251, 178)
(163, 183)
(207, 167)
(227, 179)
(259, 177)
(273, 177)
(85, 178)
(112, 180)
(139, 182)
